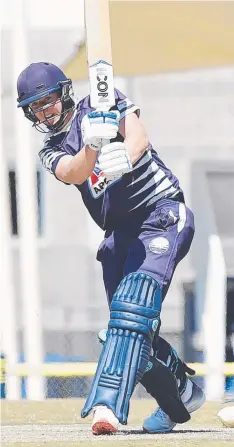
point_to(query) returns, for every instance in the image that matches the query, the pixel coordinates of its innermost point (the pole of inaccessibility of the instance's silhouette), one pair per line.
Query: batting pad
(134, 318)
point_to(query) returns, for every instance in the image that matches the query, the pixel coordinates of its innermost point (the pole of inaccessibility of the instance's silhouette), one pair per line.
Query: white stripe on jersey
(145, 175)
(159, 176)
(153, 181)
(163, 185)
(156, 196)
(47, 158)
(147, 157)
(182, 214)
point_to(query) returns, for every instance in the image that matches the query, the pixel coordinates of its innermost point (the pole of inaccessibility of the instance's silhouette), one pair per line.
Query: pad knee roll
(136, 305)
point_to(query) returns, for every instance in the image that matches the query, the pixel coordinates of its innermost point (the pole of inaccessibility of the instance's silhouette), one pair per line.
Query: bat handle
(105, 141)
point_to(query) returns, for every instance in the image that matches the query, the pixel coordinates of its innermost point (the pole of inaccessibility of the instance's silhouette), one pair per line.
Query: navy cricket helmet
(39, 80)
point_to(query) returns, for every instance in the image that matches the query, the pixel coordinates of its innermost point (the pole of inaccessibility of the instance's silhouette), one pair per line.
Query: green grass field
(57, 423)
(152, 443)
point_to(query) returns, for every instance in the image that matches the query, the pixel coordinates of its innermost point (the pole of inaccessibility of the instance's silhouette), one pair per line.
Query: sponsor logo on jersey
(98, 183)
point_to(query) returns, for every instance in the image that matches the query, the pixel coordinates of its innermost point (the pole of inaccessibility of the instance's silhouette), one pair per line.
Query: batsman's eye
(38, 107)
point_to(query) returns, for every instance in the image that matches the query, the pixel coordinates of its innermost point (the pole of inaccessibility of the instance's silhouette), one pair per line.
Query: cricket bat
(99, 54)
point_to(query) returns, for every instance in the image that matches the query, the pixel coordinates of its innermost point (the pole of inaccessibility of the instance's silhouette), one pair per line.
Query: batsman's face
(48, 108)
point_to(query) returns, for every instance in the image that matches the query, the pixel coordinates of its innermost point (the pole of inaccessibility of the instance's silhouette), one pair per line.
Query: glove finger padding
(98, 125)
(123, 168)
(107, 164)
(115, 155)
(112, 147)
(114, 160)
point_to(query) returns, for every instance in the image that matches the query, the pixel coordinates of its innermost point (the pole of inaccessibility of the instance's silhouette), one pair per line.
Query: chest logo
(98, 183)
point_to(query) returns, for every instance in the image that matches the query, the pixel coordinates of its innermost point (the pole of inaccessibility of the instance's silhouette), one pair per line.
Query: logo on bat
(101, 84)
(102, 72)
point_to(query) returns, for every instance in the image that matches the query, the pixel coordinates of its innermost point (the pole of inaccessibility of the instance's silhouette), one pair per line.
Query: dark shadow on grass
(208, 430)
(188, 431)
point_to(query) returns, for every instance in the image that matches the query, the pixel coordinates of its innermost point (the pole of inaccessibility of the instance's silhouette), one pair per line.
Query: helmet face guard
(65, 92)
(39, 80)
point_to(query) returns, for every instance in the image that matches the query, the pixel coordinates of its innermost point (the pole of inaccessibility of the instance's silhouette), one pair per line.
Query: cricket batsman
(148, 231)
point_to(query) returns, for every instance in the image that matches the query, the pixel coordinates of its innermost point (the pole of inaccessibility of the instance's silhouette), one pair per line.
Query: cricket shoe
(160, 422)
(104, 421)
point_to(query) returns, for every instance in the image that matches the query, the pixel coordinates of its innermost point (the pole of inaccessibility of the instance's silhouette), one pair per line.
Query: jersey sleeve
(68, 142)
(124, 105)
(50, 156)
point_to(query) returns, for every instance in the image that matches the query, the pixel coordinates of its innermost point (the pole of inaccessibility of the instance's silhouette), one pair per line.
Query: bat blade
(99, 55)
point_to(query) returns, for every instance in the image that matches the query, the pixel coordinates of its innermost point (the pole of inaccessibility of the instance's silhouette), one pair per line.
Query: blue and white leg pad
(134, 317)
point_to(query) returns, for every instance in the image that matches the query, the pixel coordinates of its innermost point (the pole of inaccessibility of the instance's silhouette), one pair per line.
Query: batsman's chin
(226, 415)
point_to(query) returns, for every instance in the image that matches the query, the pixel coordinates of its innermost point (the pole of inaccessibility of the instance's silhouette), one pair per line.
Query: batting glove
(96, 126)
(114, 160)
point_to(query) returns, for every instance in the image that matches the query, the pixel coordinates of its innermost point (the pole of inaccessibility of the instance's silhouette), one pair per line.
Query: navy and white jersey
(112, 203)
